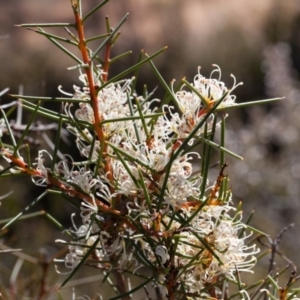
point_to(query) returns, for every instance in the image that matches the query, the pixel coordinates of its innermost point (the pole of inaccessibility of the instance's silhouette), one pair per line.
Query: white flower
(2, 127)
(162, 253)
(182, 125)
(195, 105)
(154, 154)
(137, 210)
(212, 90)
(74, 256)
(84, 179)
(62, 167)
(179, 186)
(88, 210)
(85, 113)
(124, 182)
(214, 226)
(43, 179)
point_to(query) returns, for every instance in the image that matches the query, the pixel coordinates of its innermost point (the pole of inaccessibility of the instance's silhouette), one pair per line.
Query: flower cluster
(143, 205)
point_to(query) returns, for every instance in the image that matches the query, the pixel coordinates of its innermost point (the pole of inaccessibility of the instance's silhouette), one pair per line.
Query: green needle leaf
(18, 216)
(46, 25)
(110, 37)
(133, 68)
(250, 103)
(94, 10)
(27, 128)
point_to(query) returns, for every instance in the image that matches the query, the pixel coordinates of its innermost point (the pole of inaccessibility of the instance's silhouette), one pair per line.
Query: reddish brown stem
(74, 193)
(206, 109)
(90, 77)
(89, 74)
(53, 182)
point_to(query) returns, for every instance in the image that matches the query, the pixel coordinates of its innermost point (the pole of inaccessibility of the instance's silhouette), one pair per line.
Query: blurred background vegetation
(257, 41)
